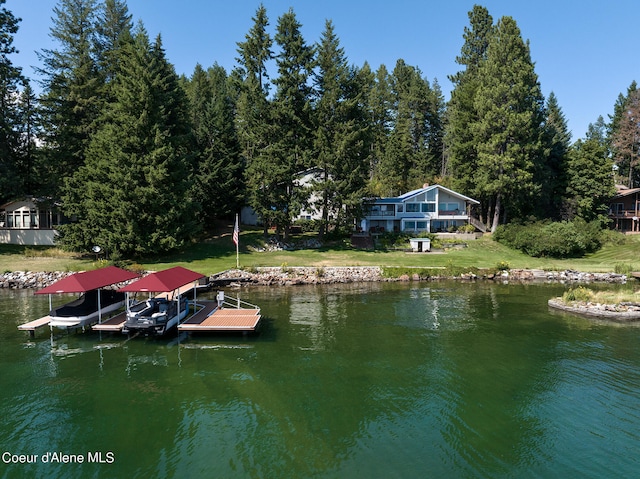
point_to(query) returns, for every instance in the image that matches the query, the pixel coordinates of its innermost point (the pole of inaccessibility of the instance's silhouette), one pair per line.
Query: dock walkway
(31, 326)
(113, 324)
(214, 319)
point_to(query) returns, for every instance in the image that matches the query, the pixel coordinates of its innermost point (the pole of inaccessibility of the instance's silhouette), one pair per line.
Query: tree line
(143, 160)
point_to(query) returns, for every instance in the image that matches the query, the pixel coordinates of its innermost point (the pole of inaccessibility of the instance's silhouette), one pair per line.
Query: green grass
(218, 254)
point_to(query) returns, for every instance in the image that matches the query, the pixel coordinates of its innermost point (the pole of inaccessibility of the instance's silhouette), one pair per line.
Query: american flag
(236, 232)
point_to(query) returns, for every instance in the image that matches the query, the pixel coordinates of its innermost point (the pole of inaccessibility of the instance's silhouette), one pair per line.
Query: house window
(400, 208)
(421, 225)
(428, 207)
(409, 225)
(617, 208)
(413, 207)
(431, 195)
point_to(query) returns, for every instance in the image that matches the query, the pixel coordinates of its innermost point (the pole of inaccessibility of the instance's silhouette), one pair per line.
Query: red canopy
(164, 281)
(89, 280)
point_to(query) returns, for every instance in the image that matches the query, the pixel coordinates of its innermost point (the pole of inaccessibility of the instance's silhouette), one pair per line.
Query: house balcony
(380, 214)
(452, 214)
(624, 214)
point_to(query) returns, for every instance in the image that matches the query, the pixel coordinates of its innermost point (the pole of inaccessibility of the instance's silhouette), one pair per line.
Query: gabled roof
(626, 192)
(89, 280)
(410, 194)
(164, 281)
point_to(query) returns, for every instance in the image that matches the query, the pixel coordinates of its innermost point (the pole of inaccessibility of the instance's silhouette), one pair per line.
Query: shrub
(565, 239)
(624, 268)
(577, 294)
(503, 266)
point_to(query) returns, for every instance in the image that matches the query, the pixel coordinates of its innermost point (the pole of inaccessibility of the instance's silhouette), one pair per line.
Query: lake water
(411, 380)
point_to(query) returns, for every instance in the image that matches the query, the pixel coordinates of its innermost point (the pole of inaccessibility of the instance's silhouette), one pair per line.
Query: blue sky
(585, 52)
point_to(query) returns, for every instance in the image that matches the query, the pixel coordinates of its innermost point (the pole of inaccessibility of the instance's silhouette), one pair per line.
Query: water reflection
(414, 380)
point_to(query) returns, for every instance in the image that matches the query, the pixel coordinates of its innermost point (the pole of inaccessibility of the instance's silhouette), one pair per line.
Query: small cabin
(29, 222)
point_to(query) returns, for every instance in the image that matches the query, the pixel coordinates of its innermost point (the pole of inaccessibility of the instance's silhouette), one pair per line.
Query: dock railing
(235, 303)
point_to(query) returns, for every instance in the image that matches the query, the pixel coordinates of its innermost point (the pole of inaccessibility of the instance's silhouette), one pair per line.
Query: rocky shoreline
(288, 276)
(621, 312)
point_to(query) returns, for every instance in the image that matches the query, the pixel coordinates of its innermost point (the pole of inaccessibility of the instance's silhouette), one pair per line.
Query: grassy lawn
(218, 254)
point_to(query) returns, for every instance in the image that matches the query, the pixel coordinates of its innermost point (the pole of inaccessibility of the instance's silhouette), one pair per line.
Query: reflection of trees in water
(442, 376)
(498, 371)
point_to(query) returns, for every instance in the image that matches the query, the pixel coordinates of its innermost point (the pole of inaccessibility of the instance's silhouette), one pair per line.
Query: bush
(566, 239)
(577, 294)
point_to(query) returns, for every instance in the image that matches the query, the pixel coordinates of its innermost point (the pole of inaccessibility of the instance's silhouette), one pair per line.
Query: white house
(29, 222)
(305, 179)
(428, 209)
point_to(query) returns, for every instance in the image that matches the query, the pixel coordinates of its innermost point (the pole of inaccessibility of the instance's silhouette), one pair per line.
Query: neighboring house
(29, 222)
(624, 210)
(429, 209)
(306, 179)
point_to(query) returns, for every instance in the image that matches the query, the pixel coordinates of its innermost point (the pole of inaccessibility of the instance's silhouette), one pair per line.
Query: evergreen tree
(509, 106)
(134, 195)
(113, 31)
(28, 128)
(551, 171)
(290, 150)
(461, 156)
(378, 100)
(590, 183)
(219, 178)
(72, 99)
(10, 79)
(625, 135)
(253, 115)
(340, 138)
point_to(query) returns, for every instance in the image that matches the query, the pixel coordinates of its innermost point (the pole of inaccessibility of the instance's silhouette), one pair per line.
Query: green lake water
(415, 380)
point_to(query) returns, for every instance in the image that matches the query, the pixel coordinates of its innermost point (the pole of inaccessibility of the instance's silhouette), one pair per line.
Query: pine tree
(134, 195)
(113, 31)
(378, 100)
(219, 180)
(590, 183)
(625, 135)
(290, 150)
(27, 155)
(340, 138)
(254, 116)
(72, 99)
(551, 171)
(10, 79)
(509, 106)
(461, 156)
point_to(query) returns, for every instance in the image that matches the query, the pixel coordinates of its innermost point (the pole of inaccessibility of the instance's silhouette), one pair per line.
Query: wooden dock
(113, 324)
(31, 326)
(213, 319)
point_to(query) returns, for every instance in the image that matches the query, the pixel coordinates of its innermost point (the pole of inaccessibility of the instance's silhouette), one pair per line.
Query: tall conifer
(134, 195)
(340, 140)
(10, 79)
(72, 99)
(509, 107)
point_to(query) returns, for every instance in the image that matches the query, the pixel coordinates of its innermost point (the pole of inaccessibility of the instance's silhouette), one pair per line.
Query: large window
(413, 207)
(381, 210)
(428, 207)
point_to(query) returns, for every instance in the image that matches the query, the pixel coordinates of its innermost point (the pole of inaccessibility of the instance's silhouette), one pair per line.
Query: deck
(113, 324)
(31, 326)
(213, 319)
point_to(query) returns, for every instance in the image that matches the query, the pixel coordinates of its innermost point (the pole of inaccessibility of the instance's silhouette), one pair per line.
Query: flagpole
(236, 240)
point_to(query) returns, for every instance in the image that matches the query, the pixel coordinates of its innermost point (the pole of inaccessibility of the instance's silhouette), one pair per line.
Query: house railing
(624, 213)
(373, 214)
(478, 224)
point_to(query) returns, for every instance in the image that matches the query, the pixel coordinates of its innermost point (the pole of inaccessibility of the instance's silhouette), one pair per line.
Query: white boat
(94, 300)
(87, 309)
(159, 314)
